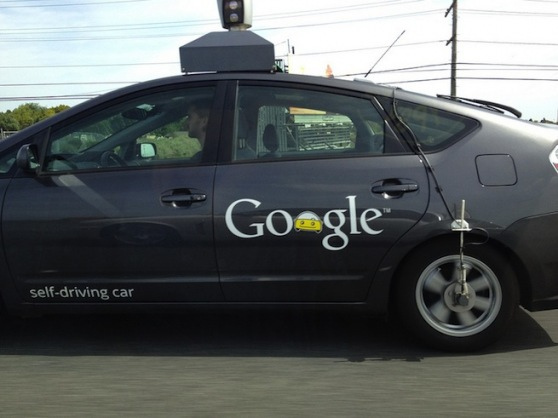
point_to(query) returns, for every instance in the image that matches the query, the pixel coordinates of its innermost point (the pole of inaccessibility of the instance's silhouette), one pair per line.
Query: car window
(159, 128)
(7, 160)
(288, 123)
(434, 128)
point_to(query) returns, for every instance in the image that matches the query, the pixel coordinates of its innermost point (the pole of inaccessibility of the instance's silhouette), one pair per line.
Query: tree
(8, 122)
(59, 108)
(26, 115)
(29, 113)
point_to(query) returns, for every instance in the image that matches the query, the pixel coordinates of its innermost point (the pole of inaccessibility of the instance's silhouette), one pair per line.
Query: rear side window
(289, 123)
(434, 128)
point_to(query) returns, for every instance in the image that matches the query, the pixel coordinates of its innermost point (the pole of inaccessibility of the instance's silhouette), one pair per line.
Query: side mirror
(147, 150)
(27, 158)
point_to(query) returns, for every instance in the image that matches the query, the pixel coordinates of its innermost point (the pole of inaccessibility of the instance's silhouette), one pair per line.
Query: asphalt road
(260, 364)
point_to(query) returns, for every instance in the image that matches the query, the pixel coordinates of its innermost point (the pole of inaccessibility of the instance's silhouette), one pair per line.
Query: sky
(65, 51)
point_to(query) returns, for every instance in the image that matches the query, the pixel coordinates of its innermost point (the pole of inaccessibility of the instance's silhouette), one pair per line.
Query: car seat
(270, 141)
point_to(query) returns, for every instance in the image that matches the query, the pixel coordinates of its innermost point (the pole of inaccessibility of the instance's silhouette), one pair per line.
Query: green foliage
(8, 122)
(26, 115)
(176, 145)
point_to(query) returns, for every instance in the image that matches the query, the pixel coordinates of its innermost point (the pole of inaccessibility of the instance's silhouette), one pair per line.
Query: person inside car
(198, 116)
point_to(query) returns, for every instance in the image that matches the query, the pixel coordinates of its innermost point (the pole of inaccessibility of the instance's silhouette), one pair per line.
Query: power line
(462, 66)
(532, 67)
(509, 65)
(336, 10)
(352, 50)
(509, 43)
(89, 3)
(137, 64)
(99, 28)
(475, 78)
(418, 80)
(18, 35)
(45, 98)
(67, 83)
(460, 78)
(509, 13)
(276, 16)
(198, 22)
(109, 28)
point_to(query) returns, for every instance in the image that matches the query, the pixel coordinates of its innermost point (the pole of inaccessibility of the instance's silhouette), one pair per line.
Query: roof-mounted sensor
(235, 14)
(228, 52)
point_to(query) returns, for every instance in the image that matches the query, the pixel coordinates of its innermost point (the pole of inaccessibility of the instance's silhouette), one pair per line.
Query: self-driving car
(186, 190)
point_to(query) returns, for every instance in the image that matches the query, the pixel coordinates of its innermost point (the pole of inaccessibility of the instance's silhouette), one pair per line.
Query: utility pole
(453, 42)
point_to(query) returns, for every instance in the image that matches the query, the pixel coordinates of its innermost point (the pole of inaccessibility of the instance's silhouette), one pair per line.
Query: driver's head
(198, 116)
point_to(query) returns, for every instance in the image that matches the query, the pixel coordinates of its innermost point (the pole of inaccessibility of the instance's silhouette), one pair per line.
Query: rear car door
(318, 189)
(120, 208)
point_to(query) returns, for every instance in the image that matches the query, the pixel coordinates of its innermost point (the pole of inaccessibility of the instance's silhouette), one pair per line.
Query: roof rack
(485, 104)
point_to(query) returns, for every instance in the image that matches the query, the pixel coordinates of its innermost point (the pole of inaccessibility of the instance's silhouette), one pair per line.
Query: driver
(198, 116)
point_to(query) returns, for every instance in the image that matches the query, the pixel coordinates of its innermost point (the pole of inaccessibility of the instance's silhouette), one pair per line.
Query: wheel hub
(456, 301)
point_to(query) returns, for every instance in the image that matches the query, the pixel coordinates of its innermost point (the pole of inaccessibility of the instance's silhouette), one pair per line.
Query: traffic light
(235, 14)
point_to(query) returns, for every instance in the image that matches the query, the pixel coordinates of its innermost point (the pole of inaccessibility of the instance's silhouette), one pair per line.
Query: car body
(111, 205)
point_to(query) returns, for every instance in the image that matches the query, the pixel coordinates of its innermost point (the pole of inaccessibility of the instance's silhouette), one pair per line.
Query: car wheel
(434, 307)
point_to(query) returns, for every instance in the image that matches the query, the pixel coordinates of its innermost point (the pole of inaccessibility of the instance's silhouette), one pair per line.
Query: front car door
(317, 191)
(120, 209)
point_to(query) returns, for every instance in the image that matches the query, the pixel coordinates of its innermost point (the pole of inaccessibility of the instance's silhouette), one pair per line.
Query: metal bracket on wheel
(461, 294)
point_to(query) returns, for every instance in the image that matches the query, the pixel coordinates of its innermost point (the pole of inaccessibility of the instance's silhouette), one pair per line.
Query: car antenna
(383, 55)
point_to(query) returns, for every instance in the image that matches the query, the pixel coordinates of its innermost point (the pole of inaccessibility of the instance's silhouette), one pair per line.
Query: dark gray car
(295, 191)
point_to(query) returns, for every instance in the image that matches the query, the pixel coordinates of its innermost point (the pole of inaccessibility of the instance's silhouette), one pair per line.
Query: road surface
(261, 363)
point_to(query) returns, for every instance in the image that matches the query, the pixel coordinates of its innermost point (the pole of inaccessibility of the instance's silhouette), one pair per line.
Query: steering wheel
(63, 160)
(111, 159)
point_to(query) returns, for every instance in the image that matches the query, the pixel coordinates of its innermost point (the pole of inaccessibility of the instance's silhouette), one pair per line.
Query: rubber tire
(498, 291)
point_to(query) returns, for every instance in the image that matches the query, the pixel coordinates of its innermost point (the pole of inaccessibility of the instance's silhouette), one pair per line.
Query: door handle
(394, 188)
(182, 197)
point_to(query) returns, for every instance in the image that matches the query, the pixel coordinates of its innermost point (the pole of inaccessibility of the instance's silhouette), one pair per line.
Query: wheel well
(521, 273)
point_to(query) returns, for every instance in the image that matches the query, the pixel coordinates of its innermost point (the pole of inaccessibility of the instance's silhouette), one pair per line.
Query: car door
(317, 191)
(120, 208)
